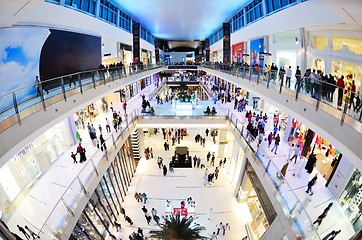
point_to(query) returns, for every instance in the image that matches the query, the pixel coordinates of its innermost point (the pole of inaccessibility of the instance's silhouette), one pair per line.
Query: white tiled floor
(46, 192)
(184, 183)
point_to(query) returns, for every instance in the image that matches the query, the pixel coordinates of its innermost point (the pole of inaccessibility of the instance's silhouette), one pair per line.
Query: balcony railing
(321, 94)
(21, 103)
(64, 209)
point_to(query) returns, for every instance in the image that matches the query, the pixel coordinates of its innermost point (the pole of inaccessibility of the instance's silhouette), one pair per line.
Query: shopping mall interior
(124, 116)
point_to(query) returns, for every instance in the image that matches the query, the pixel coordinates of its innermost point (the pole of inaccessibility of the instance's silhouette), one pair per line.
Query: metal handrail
(133, 115)
(17, 106)
(247, 72)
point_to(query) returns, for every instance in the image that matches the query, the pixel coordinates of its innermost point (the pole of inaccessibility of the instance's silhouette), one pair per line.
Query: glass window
(320, 42)
(352, 43)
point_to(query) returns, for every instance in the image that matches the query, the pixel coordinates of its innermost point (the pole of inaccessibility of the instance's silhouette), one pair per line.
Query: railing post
(258, 79)
(250, 72)
(298, 89)
(114, 141)
(319, 96)
(68, 208)
(63, 89)
(104, 76)
(243, 72)
(93, 81)
(344, 112)
(16, 108)
(94, 167)
(294, 206)
(267, 166)
(281, 85)
(82, 185)
(42, 97)
(80, 84)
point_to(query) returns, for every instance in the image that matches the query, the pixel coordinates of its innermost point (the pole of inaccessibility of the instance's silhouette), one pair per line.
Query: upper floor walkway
(25, 119)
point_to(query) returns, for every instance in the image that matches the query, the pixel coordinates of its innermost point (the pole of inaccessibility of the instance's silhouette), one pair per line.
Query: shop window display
(352, 43)
(31, 162)
(349, 70)
(320, 42)
(351, 199)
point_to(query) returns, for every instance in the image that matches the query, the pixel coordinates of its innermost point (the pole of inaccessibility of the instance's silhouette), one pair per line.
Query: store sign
(183, 212)
(23, 151)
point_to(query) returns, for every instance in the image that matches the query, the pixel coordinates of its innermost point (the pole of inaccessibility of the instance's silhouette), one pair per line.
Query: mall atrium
(243, 117)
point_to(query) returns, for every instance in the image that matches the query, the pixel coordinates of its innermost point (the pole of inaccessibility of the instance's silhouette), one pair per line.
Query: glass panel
(320, 42)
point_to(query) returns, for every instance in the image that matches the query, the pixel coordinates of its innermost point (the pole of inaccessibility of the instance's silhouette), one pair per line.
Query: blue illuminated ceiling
(181, 19)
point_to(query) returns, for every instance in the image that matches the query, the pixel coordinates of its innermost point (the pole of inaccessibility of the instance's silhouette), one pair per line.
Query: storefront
(351, 200)
(308, 141)
(105, 203)
(251, 192)
(238, 52)
(23, 170)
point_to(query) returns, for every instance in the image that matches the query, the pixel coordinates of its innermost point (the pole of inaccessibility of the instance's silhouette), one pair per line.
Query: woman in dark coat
(312, 159)
(164, 170)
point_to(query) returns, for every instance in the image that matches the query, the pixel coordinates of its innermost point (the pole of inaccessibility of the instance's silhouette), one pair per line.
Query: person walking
(288, 76)
(323, 215)
(144, 210)
(270, 139)
(311, 183)
(218, 227)
(140, 232)
(31, 233)
(144, 196)
(207, 132)
(148, 219)
(296, 151)
(216, 172)
(123, 211)
(81, 152)
(22, 230)
(276, 144)
(208, 156)
(225, 227)
(129, 220)
(153, 212)
(340, 85)
(206, 179)
(74, 158)
(164, 170)
(213, 160)
(210, 214)
(331, 235)
(103, 143)
(117, 225)
(108, 128)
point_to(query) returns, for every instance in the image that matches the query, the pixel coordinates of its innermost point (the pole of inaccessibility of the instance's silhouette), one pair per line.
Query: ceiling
(184, 20)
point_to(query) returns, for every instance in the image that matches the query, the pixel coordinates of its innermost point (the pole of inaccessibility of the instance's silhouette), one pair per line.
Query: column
(303, 55)
(222, 139)
(141, 141)
(226, 55)
(98, 6)
(308, 140)
(72, 129)
(118, 15)
(207, 50)
(288, 128)
(136, 27)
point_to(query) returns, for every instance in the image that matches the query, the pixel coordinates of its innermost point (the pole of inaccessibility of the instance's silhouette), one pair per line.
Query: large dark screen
(68, 52)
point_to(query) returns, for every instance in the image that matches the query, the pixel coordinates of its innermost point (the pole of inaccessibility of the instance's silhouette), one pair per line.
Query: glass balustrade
(21, 103)
(322, 94)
